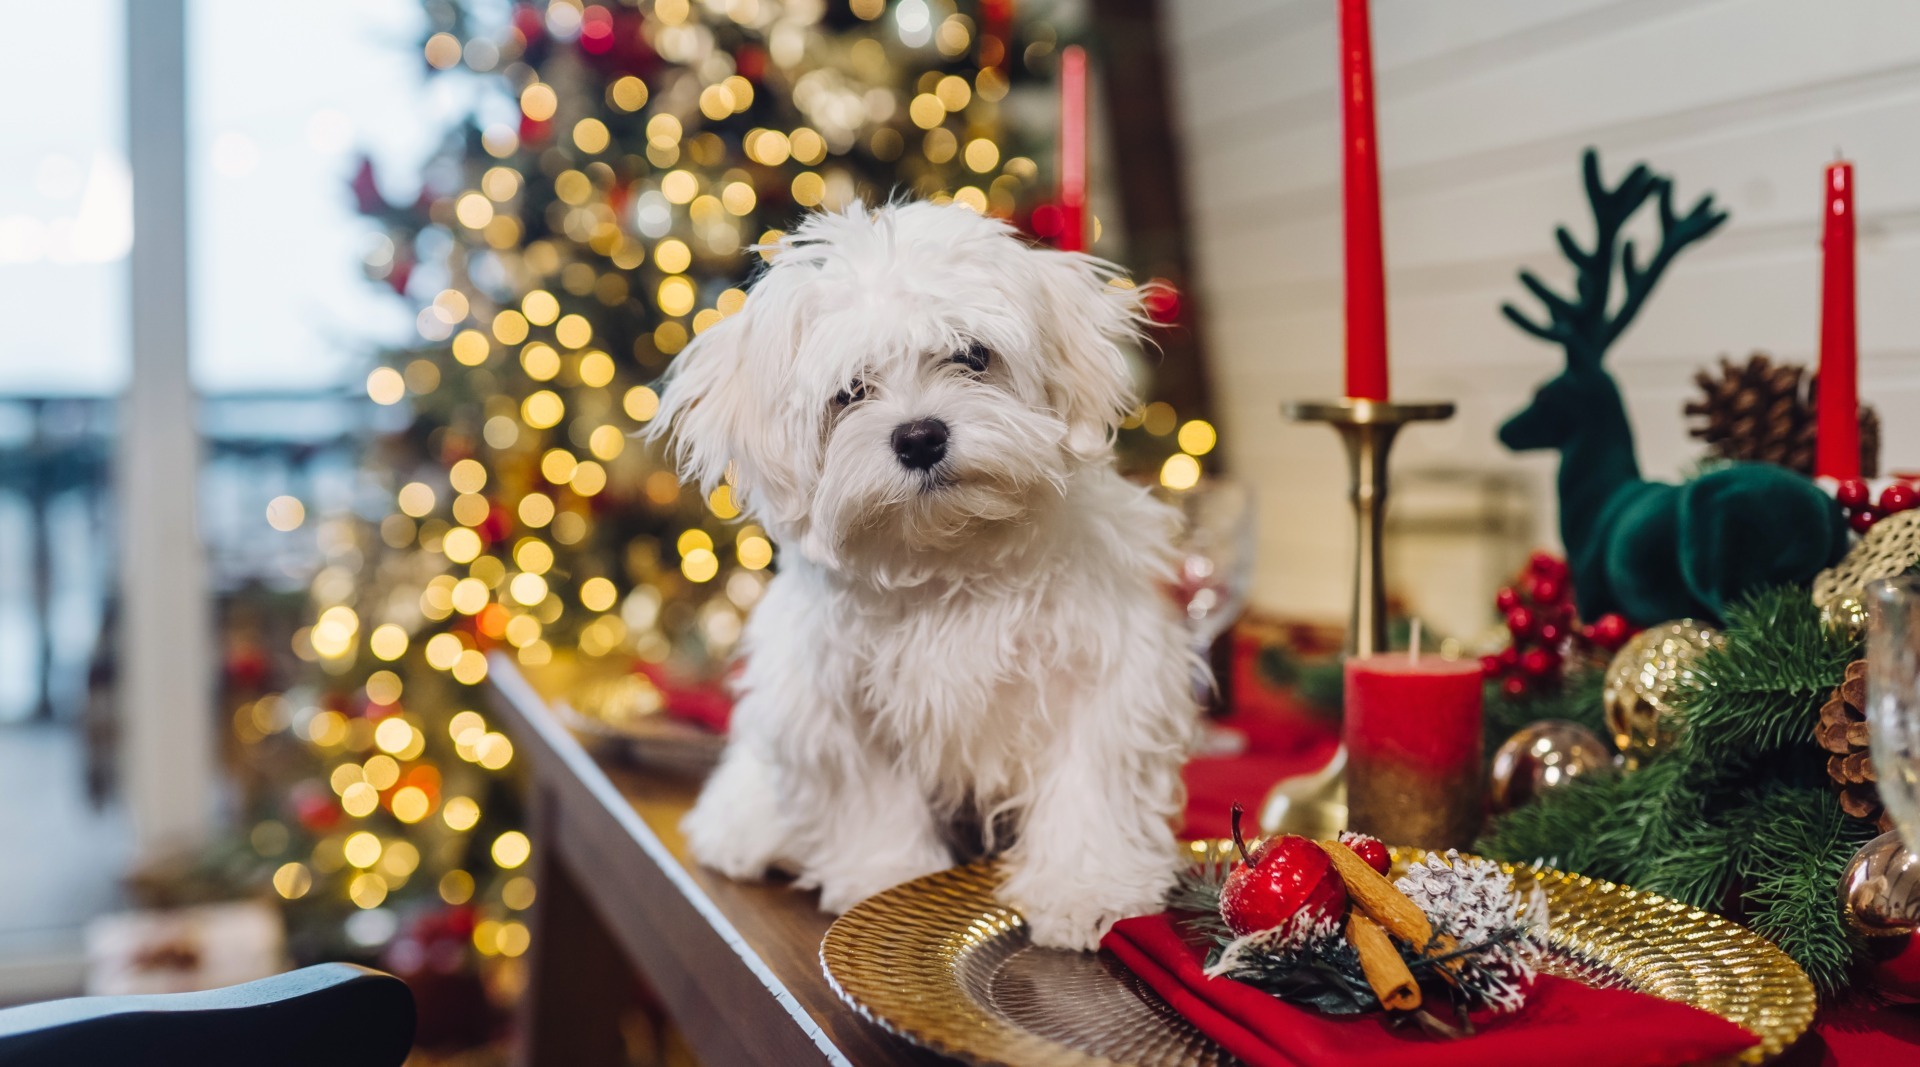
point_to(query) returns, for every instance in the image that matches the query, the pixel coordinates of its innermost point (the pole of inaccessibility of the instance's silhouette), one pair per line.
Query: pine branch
(1800, 844)
(1577, 700)
(1759, 694)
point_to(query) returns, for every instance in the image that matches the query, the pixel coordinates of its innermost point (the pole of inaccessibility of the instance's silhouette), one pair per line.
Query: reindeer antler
(1582, 325)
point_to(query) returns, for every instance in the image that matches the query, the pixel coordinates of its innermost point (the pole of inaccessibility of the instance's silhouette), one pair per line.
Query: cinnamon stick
(1386, 972)
(1380, 899)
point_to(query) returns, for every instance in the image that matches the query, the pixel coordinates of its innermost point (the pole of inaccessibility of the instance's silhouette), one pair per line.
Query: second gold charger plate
(941, 963)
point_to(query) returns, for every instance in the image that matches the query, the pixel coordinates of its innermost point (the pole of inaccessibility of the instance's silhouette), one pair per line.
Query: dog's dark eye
(974, 357)
(855, 392)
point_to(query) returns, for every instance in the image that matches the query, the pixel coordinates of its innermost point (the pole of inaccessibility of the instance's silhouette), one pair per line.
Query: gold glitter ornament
(1846, 615)
(1640, 681)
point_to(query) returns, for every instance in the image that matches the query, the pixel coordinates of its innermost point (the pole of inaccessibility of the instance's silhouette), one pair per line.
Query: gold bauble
(1846, 615)
(1541, 757)
(1640, 683)
(1880, 891)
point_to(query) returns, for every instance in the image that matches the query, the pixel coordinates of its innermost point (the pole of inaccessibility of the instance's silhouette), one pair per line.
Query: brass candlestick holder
(1367, 429)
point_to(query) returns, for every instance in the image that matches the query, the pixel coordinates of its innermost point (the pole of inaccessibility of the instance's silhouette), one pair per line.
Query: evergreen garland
(1577, 700)
(1737, 817)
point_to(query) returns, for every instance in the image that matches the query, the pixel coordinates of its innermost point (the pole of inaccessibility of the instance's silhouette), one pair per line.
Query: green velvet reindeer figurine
(1649, 550)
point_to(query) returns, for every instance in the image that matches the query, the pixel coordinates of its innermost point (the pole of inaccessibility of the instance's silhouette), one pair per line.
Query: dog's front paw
(1077, 917)
(845, 886)
(735, 827)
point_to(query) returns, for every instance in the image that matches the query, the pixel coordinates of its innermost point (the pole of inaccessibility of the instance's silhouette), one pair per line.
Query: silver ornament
(1541, 757)
(1880, 891)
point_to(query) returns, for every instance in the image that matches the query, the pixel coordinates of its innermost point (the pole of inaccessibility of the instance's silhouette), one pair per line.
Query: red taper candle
(1837, 451)
(1366, 277)
(1073, 148)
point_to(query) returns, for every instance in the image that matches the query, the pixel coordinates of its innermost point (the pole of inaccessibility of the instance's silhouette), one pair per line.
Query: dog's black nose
(920, 444)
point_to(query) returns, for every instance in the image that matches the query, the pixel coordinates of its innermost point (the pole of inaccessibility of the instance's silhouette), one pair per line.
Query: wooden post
(164, 687)
(578, 983)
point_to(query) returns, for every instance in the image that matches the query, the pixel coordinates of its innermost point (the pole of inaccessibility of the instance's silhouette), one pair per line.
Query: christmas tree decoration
(1762, 411)
(1890, 548)
(1736, 814)
(1880, 889)
(1642, 681)
(1540, 758)
(1651, 551)
(1842, 733)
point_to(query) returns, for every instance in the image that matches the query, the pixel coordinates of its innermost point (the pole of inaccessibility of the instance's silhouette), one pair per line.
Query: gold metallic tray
(941, 963)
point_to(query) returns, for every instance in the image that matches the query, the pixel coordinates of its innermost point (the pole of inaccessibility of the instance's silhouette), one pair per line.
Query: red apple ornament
(1368, 848)
(1284, 877)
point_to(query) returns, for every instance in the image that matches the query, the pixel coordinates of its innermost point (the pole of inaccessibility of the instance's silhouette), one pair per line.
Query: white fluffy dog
(919, 407)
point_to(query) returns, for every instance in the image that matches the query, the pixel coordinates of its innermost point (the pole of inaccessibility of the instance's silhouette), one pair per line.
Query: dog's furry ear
(700, 406)
(1086, 318)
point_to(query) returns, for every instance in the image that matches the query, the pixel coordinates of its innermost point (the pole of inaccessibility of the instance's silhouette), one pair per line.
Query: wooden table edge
(557, 758)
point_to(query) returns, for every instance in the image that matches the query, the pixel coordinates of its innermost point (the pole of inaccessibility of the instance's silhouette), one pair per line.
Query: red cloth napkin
(1564, 1021)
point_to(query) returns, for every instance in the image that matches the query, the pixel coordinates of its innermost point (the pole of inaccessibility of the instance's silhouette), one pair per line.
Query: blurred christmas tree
(592, 215)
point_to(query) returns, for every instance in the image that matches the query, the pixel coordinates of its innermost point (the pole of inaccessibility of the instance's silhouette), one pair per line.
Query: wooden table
(736, 966)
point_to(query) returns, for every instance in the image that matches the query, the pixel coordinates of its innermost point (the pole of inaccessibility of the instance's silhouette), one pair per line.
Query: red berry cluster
(1856, 499)
(1540, 617)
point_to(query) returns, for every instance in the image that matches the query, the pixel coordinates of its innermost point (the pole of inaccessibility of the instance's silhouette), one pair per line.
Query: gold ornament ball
(1880, 891)
(1640, 682)
(1845, 614)
(1541, 757)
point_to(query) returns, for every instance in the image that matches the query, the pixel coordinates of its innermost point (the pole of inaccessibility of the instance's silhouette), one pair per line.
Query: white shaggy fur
(984, 634)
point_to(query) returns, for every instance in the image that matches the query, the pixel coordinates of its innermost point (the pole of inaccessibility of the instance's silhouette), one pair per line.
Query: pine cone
(1842, 732)
(1762, 411)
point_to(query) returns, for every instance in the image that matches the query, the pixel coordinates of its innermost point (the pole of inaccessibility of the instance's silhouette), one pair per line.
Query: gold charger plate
(941, 963)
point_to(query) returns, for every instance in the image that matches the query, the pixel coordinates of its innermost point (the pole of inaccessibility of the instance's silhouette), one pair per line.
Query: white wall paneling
(1485, 106)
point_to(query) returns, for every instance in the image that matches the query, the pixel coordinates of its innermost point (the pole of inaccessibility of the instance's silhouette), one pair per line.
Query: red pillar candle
(1366, 277)
(1073, 148)
(1837, 452)
(1414, 745)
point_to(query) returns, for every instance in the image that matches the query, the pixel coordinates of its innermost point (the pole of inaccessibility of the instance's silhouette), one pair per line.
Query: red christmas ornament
(528, 22)
(1514, 687)
(1545, 565)
(1539, 662)
(1506, 600)
(1047, 221)
(1898, 497)
(1284, 877)
(1853, 494)
(1552, 632)
(1863, 520)
(1609, 631)
(314, 807)
(1520, 621)
(1161, 301)
(1368, 848)
(1549, 590)
(1509, 658)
